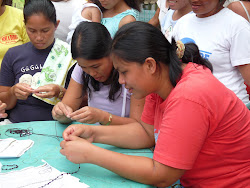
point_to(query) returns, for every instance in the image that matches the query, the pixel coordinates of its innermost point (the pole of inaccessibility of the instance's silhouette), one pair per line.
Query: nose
(39, 37)
(92, 72)
(121, 79)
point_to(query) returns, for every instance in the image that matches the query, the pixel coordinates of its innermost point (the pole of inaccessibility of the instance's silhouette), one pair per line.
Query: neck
(117, 9)
(181, 12)
(164, 84)
(2, 9)
(211, 13)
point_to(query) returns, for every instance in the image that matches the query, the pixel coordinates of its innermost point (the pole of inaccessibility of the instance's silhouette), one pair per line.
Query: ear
(150, 65)
(57, 23)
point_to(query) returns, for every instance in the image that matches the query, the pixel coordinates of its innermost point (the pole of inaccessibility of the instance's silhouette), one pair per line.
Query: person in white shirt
(177, 9)
(223, 39)
(64, 12)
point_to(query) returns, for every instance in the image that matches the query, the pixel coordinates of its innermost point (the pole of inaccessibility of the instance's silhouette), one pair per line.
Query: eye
(95, 67)
(31, 30)
(45, 31)
(124, 72)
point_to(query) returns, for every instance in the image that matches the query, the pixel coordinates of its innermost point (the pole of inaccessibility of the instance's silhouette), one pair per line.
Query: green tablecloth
(48, 149)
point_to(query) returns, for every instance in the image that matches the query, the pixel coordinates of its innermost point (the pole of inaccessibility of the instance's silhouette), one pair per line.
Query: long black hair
(92, 41)
(135, 4)
(44, 7)
(137, 41)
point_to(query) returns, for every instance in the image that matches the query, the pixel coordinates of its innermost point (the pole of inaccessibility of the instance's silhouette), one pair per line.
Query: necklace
(9, 167)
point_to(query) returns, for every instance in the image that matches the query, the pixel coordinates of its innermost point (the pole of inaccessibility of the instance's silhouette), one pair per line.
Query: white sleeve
(77, 74)
(240, 45)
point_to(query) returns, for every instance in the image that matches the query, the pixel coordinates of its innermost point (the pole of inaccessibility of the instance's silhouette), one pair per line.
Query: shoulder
(20, 48)
(128, 16)
(132, 12)
(127, 19)
(234, 21)
(14, 10)
(227, 2)
(196, 83)
(238, 8)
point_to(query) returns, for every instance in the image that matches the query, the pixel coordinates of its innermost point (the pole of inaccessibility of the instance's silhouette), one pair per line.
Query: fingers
(84, 115)
(22, 91)
(68, 131)
(61, 110)
(2, 106)
(47, 91)
(78, 114)
(3, 115)
(2, 110)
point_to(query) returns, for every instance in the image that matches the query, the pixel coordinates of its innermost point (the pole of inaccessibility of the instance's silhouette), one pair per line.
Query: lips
(195, 6)
(40, 44)
(97, 78)
(171, 3)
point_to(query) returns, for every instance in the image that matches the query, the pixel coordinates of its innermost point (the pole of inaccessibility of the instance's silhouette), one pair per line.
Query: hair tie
(180, 49)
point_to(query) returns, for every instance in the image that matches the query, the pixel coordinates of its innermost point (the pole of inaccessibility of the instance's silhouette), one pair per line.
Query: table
(48, 149)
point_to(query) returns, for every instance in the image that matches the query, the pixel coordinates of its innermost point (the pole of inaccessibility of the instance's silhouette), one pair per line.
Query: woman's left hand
(88, 114)
(47, 91)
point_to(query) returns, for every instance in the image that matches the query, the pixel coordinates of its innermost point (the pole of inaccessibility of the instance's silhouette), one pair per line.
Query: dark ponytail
(135, 4)
(136, 41)
(192, 54)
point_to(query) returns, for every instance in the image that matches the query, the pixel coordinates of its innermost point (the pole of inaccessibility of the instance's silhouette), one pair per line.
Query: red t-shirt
(204, 128)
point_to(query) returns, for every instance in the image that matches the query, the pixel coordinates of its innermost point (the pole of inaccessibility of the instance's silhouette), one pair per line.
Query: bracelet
(110, 120)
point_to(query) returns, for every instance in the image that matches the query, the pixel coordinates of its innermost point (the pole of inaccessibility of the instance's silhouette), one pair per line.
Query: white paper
(11, 147)
(34, 177)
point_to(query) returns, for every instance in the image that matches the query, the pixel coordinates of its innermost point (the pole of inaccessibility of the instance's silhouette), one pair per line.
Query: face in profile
(40, 31)
(136, 77)
(99, 69)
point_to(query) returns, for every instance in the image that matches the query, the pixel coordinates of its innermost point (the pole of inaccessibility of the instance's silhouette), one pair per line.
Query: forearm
(8, 97)
(136, 168)
(155, 19)
(133, 136)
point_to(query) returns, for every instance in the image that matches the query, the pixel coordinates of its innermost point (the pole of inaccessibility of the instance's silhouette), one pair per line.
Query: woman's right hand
(84, 131)
(21, 91)
(2, 110)
(61, 111)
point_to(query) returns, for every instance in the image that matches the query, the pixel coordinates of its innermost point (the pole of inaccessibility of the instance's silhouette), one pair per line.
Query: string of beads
(9, 167)
(60, 176)
(27, 132)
